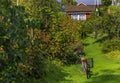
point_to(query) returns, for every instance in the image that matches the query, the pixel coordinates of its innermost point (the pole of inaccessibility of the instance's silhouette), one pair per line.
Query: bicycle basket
(90, 62)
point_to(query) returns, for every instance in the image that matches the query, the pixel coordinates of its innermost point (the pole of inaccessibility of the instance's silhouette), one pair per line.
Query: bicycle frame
(87, 70)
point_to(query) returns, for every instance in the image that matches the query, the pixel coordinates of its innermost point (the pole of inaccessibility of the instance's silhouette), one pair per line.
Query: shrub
(111, 45)
(114, 54)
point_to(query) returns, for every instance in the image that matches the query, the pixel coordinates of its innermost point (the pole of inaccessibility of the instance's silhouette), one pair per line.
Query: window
(75, 16)
(82, 16)
(79, 17)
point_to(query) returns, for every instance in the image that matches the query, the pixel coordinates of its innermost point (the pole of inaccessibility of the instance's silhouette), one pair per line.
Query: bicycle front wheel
(87, 73)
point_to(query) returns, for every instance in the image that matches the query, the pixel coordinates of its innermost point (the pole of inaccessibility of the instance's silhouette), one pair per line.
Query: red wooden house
(80, 12)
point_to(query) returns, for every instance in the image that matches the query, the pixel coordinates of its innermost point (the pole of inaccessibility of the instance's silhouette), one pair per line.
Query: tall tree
(106, 2)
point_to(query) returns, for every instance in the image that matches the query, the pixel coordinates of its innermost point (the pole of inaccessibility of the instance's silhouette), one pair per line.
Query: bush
(111, 45)
(114, 54)
(55, 72)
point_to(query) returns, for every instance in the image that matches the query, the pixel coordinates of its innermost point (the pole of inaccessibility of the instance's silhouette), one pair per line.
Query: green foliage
(94, 25)
(112, 22)
(35, 64)
(54, 30)
(111, 45)
(13, 36)
(106, 69)
(64, 37)
(69, 2)
(14, 42)
(106, 2)
(31, 35)
(114, 54)
(113, 8)
(55, 72)
(106, 23)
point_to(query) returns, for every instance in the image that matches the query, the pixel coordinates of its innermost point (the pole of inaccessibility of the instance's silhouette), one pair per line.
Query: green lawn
(106, 69)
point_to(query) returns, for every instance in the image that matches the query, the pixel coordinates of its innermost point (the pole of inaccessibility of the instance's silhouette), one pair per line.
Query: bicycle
(85, 66)
(87, 71)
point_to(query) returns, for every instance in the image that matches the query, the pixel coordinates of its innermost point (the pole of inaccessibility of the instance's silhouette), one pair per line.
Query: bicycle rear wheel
(87, 71)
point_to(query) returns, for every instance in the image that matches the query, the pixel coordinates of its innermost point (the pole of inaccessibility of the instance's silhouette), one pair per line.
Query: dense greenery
(106, 2)
(111, 45)
(32, 35)
(106, 24)
(106, 69)
(37, 38)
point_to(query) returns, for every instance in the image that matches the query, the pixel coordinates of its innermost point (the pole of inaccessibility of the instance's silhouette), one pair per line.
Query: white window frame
(82, 16)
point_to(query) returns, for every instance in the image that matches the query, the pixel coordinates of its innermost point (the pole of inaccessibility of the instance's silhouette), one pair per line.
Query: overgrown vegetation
(111, 45)
(114, 54)
(32, 36)
(106, 24)
(37, 39)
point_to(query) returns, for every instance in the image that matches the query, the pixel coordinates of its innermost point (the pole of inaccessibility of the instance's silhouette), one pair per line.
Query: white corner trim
(82, 3)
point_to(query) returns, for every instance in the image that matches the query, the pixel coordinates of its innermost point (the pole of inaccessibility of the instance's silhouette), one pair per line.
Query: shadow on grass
(101, 40)
(107, 71)
(56, 74)
(86, 44)
(105, 79)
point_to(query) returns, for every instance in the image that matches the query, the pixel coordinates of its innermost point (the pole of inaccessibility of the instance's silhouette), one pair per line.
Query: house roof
(90, 2)
(80, 8)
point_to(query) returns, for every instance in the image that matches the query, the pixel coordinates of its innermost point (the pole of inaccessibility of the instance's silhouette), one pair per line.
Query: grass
(106, 69)
(113, 8)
